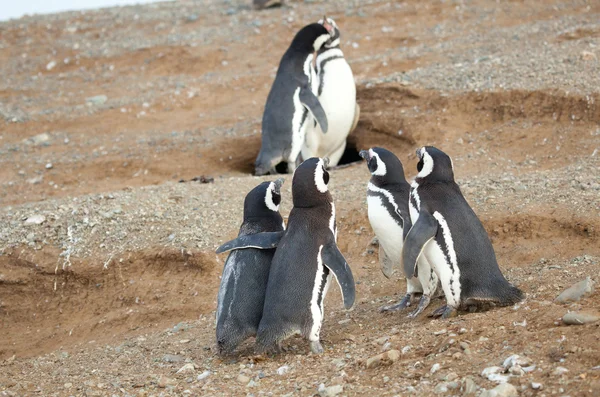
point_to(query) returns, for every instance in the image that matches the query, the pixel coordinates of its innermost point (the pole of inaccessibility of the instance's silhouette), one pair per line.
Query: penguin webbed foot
(444, 312)
(405, 302)
(423, 303)
(316, 347)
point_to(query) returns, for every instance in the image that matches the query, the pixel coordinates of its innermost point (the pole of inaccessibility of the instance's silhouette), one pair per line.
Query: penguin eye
(276, 198)
(420, 165)
(325, 176)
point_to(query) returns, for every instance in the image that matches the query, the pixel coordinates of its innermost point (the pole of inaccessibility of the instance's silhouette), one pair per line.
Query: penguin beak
(325, 162)
(278, 183)
(327, 25)
(364, 154)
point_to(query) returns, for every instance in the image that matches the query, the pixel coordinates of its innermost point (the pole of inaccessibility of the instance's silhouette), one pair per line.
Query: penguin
(450, 235)
(246, 271)
(389, 215)
(305, 260)
(336, 90)
(291, 104)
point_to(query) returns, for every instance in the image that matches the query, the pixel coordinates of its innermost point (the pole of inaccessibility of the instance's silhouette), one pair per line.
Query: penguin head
(311, 38)
(333, 30)
(434, 165)
(384, 166)
(263, 200)
(309, 185)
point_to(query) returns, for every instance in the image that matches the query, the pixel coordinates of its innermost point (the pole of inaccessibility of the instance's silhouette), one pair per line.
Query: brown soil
(522, 159)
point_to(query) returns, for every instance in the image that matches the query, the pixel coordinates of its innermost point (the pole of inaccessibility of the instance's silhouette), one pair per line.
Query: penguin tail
(511, 295)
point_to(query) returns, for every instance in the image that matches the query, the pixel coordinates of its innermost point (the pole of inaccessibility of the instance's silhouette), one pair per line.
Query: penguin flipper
(265, 241)
(335, 261)
(385, 263)
(311, 102)
(417, 238)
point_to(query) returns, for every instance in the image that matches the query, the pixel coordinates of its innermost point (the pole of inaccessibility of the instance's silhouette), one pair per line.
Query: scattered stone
(203, 375)
(97, 100)
(283, 370)
(536, 386)
(243, 379)
(559, 371)
(35, 180)
(580, 318)
(35, 220)
(469, 386)
(49, 166)
(503, 390)
(382, 340)
(387, 358)
(163, 382)
(68, 385)
(172, 358)
(330, 391)
(515, 359)
(252, 383)
(406, 349)
(577, 291)
(435, 367)
(39, 139)
(441, 388)
(588, 56)
(50, 65)
(495, 374)
(189, 367)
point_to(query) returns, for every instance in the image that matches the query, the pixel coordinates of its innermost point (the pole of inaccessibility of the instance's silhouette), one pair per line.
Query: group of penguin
(276, 276)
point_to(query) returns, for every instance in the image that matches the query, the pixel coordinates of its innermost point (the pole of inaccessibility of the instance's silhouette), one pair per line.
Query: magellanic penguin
(304, 261)
(246, 271)
(336, 91)
(292, 105)
(389, 215)
(447, 231)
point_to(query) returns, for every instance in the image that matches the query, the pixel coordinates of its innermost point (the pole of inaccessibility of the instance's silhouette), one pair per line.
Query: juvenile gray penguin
(304, 261)
(336, 90)
(447, 231)
(246, 270)
(292, 105)
(389, 215)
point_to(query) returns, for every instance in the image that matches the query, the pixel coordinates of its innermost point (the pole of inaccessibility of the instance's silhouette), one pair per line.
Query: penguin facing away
(305, 259)
(291, 104)
(448, 233)
(246, 270)
(389, 215)
(336, 90)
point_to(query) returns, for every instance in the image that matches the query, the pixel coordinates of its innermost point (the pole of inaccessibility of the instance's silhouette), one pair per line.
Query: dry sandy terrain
(108, 277)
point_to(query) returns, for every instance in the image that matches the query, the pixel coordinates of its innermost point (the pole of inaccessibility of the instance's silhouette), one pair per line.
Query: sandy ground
(110, 287)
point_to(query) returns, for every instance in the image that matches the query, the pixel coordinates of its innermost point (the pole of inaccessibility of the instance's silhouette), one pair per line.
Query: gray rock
(243, 379)
(97, 100)
(441, 388)
(580, 318)
(172, 358)
(203, 375)
(35, 220)
(330, 391)
(559, 371)
(469, 387)
(39, 139)
(577, 291)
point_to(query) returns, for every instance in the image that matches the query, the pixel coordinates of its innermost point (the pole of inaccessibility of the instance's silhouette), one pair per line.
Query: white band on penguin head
(319, 177)
(381, 169)
(319, 41)
(427, 164)
(269, 198)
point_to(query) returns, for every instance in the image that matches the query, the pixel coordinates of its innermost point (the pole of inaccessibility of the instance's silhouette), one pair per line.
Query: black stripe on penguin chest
(322, 284)
(321, 70)
(389, 207)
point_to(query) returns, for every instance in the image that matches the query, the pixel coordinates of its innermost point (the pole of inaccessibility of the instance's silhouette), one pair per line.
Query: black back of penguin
(279, 108)
(480, 275)
(246, 271)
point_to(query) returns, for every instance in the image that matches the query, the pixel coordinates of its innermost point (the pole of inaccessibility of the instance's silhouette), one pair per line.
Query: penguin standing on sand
(336, 90)
(246, 271)
(292, 104)
(389, 215)
(305, 259)
(447, 231)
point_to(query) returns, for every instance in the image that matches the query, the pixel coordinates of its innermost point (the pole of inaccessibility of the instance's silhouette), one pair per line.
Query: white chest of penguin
(388, 231)
(334, 85)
